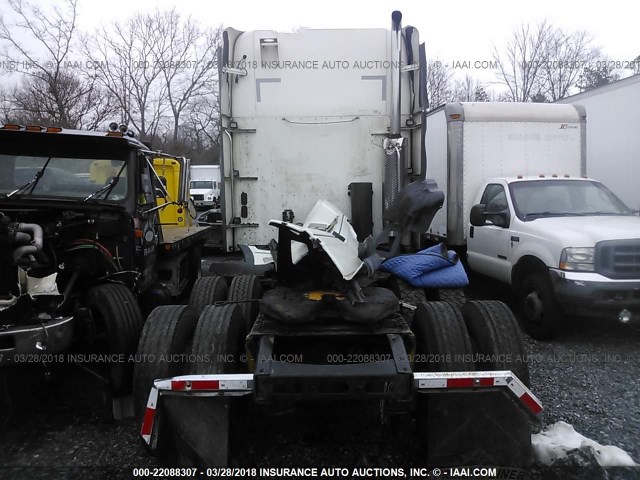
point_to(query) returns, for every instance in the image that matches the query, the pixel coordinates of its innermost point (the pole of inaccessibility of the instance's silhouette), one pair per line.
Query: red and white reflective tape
(209, 383)
(230, 384)
(242, 384)
(149, 416)
(466, 380)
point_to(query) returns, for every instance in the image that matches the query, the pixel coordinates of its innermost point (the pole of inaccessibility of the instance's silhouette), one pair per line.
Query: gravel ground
(588, 377)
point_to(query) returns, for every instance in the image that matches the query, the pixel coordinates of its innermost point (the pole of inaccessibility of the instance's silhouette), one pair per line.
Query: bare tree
(569, 53)
(439, 83)
(85, 105)
(520, 66)
(187, 57)
(44, 66)
(469, 89)
(201, 126)
(600, 72)
(6, 108)
(122, 61)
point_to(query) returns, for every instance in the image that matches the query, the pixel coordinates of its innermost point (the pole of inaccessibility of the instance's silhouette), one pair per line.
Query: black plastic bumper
(586, 298)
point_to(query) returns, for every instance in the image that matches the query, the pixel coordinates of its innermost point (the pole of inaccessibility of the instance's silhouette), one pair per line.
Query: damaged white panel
(260, 256)
(331, 228)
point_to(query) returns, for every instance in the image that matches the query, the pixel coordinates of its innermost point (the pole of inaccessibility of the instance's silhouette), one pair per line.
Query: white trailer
(613, 143)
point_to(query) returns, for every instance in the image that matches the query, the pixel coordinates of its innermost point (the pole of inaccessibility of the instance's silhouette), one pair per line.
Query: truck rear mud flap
(470, 415)
(491, 427)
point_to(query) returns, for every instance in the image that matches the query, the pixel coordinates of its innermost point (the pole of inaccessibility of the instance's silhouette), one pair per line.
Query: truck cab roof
(545, 177)
(16, 131)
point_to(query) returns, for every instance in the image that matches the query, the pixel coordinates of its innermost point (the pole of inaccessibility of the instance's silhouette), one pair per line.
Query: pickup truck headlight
(579, 259)
(209, 197)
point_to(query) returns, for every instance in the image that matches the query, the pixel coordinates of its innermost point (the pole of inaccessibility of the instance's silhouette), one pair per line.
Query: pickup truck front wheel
(540, 313)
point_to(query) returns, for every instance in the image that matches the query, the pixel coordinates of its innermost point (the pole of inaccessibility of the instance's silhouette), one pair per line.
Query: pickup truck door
(488, 247)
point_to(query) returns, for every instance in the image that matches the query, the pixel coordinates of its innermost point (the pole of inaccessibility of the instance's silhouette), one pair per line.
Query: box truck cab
(519, 203)
(205, 185)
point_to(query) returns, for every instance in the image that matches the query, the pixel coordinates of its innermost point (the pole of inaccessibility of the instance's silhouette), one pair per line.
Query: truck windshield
(62, 177)
(202, 184)
(549, 198)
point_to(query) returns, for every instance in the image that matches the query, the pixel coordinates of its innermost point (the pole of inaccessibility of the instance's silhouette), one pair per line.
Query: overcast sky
(453, 30)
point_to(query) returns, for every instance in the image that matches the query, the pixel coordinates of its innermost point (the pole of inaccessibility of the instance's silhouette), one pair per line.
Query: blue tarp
(434, 267)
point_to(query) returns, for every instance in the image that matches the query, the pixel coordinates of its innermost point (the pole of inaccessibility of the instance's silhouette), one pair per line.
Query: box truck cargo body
(468, 143)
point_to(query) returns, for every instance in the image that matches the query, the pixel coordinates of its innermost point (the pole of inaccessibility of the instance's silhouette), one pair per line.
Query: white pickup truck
(520, 203)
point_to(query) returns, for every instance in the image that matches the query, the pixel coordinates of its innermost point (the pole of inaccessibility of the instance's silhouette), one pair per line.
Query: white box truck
(205, 186)
(519, 201)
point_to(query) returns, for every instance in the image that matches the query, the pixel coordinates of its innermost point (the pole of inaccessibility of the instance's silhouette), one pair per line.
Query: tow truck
(96, 230)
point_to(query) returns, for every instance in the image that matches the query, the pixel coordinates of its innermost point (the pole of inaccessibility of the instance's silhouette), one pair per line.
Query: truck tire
(242, 289)
(541, 315)
(167, 331)
(115, 309)
(454, 296)
(201, 425)
(462, 428)
(496, 338)
(442, 345)
(407, 294)
(206, 291)
(441, 336)
(195, 270)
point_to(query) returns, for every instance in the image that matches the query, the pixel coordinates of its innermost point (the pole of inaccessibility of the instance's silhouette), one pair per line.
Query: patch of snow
(556, 440)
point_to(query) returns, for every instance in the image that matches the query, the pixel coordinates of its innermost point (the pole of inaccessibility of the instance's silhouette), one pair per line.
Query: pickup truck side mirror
(478, 217)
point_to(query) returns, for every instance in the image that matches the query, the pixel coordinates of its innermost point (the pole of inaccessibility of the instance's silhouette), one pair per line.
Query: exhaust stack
(396, 52)
(394, 144)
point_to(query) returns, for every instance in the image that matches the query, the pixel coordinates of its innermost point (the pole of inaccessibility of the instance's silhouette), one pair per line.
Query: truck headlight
(579, 259)
(209, 197)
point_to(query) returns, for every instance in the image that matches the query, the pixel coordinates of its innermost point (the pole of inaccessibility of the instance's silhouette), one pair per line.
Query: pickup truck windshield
(202, 184)
(549, 198)
(63, 177)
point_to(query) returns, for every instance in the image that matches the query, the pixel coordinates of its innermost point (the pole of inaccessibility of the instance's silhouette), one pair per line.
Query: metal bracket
(399, 353)
(242, 72)
(410, 68)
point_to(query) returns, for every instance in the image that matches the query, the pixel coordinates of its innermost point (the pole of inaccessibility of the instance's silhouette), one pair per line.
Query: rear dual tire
(490, 431)
(192, 431)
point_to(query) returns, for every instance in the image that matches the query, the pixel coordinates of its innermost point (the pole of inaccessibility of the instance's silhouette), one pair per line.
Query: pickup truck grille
(618, 258)
(198, 197)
